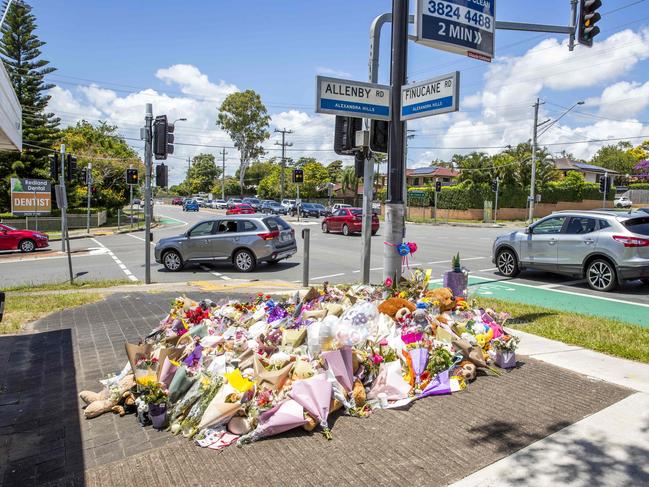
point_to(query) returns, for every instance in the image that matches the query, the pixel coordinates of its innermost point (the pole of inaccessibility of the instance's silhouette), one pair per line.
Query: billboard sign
(30, 197)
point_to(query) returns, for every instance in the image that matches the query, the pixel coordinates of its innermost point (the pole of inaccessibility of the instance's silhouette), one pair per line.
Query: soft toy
(442, 297)
(391, 306)
(114, 399)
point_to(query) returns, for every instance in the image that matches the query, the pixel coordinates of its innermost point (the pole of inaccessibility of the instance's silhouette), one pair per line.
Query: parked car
(23, 240)
(348, 221)
(288, 204)
(190, 205)
(240, 209)
(177, 200)
(603, 247)
(309, 209)
(273, 207)
(622, 202)
(645, 209)
(232, 201)
(219, 204)
(322, 211)
(254, 202)
(335, 207)
(243, 240)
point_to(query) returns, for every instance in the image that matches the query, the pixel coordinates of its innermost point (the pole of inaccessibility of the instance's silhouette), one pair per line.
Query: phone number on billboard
(461, 14)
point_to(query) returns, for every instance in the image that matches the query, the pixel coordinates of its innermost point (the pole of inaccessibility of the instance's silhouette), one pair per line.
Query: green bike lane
(558, 299)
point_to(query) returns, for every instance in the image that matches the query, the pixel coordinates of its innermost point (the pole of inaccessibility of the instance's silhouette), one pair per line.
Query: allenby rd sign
(462, 26)
(431, 97)
(352, 98)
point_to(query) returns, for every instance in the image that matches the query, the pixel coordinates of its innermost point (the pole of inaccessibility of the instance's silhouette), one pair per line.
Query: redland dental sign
(31, 197)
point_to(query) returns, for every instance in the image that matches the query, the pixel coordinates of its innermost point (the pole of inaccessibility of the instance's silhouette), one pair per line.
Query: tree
(335, 170)
(316, 178)
(110, 156)
(245, 119)
(616, 157)
(203, 173)
(349, 181)
(256, 172)
(20, 52)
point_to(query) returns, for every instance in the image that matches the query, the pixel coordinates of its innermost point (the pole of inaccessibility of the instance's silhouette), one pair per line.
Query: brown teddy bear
(442, 297)
(391, 306)
(98, 403)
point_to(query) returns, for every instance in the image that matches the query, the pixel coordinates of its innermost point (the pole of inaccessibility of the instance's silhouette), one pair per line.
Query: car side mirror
(528, 230)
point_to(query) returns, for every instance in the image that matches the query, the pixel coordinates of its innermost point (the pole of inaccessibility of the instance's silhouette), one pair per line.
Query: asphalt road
(334, 258)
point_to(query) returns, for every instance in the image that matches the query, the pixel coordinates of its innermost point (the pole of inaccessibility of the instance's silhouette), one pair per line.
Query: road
(334, 258)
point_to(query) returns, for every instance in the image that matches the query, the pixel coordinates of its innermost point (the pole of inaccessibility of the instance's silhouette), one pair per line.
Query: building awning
(11, 133)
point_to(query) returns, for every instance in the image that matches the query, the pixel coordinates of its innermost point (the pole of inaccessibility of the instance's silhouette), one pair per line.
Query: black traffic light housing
(298, 176)
(161, 175)
(379, 136)
(494, 185)
(604, 184)
(71, 169)
(163, 137)
(132, 176)
(438, 186)
(359, 165)
(55, 169)
(83, 175)
(345, 134)
(588, 17)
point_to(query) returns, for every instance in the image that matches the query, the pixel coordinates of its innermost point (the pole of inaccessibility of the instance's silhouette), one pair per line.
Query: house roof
(564, 164)
(433, 171)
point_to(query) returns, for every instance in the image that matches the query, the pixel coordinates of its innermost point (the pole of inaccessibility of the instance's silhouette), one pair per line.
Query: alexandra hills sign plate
(352, 98)
(431, 97)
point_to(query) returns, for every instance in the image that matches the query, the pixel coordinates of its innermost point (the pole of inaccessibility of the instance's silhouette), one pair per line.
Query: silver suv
(244, 240)
(604, 247)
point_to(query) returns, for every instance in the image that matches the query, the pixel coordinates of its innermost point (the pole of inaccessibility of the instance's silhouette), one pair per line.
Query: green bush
(639, 186)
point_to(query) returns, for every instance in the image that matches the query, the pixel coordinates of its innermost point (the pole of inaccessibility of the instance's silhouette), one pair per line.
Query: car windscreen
(276, 223)
(638, 225)
(7, 227)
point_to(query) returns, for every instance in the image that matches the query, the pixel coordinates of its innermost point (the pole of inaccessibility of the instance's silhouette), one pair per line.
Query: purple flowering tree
(642, 169)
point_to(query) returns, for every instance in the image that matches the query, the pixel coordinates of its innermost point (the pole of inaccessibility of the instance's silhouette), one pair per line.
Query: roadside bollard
(306, 234)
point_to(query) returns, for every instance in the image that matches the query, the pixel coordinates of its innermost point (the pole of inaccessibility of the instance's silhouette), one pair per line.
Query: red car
(348, 221)
(240, 209)
(177, 200)
(23, 240)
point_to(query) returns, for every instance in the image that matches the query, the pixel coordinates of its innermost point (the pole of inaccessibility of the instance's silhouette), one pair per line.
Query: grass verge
(64, 286)
(20, 310)
(603, 335)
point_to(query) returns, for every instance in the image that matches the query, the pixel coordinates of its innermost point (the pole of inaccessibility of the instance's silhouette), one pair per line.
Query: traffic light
(345, 134)
(83, 175)
(93, 190)
(379, 136)
(161, 175)
(494, 185)
(604, 184)
(588, 17)
(55, 169)
(359, 165)
(132, 176)
(71, 169)
(298, 176)
(163, 137)
(438, 186)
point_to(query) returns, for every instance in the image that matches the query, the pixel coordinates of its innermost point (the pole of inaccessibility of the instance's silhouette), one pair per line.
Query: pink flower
(388, 282)
(377, 359)
(182, 331)
(383, 342)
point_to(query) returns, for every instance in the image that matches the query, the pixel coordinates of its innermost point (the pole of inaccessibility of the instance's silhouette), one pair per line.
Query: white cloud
(325, 71)
(623, 100)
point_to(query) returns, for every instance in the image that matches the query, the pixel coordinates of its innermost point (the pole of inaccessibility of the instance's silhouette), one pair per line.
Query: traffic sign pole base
(395, 228)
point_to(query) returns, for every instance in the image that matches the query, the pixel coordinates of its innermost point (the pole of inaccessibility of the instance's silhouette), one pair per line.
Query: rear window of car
(356, 212)
(247, 226)
(638, 225)
(276, 223)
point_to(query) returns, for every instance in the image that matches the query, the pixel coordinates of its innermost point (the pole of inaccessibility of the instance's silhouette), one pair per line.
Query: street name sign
(352, 98)
(30, 197)
(431, 97)
(462, 26)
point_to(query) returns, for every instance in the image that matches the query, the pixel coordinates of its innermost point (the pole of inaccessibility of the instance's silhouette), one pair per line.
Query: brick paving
(45, 440)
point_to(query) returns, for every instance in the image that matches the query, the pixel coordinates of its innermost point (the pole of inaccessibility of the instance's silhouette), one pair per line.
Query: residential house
(592, 173)
(424, 176)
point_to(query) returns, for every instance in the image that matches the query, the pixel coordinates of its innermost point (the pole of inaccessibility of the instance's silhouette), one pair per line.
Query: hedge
(639, 186)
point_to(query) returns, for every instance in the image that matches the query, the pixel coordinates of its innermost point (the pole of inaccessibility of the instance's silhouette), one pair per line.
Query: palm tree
(349, 180)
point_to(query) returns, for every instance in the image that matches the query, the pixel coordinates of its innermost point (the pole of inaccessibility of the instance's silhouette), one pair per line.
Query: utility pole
(284, 145)
(64, 216)
(532, 196)
(88, 185)
(130, 189)
(147, 133)
(189, 165)
(223, 153)
(394, 208)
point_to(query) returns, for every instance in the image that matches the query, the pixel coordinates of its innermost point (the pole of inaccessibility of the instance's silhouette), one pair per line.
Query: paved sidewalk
(44, 438)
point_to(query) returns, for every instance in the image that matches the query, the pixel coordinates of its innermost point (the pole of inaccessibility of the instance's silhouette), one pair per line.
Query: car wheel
(27, 246)
(345, 230)
(325, 227)
(507, 263)
(172, 261)
(244, 261)
(601, 275)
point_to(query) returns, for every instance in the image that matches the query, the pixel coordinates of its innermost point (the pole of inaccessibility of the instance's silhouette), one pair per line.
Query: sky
(186, 56)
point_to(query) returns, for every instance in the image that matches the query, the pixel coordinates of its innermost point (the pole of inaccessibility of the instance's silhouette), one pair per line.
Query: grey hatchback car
(604, 247)
(244, 240)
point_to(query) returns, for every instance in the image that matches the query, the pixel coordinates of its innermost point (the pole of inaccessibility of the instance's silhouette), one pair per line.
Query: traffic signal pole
(63, 210)
(532, 196)
(394, 208)
(148, 163)
(88, 184)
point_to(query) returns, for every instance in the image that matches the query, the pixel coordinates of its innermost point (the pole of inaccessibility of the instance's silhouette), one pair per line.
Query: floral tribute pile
(242, 371)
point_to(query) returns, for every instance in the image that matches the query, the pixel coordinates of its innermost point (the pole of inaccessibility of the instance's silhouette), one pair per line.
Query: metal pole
(306, 234)
(35, 211)
(131, 215)
(605, 189)
(62, 184)
(496, 208)
(573, 24)
(436, 205)
(284, 145)
(298, 203)
(67, 237)
(223, 153)
(394, 208)
(530, 215)
(119, 213)
(148, 162)
(88, 184)
(366, 234)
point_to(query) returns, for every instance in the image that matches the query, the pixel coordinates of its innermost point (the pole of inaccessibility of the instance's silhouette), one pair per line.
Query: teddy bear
(115, 399)
(441, 297)
(393, 307)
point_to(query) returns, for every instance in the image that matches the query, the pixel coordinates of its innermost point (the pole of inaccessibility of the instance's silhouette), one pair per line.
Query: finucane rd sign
(352, 98)
(31, 197)
(431, 97)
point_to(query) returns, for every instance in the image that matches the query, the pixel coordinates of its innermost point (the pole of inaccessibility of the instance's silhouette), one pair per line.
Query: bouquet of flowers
(505, 347)
(208, 388)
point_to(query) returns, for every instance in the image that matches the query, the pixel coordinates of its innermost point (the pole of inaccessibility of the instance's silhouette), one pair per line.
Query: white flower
(278, 359)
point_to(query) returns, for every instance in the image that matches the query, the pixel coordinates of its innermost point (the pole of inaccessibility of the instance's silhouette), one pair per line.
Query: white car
(622, 202)
(219, 204)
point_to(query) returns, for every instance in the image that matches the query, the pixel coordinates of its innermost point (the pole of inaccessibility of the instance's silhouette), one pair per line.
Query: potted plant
(505, 348)
(155, 398)
(457, 279)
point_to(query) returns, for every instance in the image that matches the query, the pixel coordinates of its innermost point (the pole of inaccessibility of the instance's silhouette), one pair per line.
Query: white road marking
(135, 236)
(330, 275)
(128, 273)
(462, 260)
(217, 274)
(488, 270)
(559, 284)
(183, 223)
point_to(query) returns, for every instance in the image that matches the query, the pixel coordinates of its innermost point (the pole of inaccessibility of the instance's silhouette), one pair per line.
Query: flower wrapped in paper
(340, 363)
(283, 417)
(314, 395)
